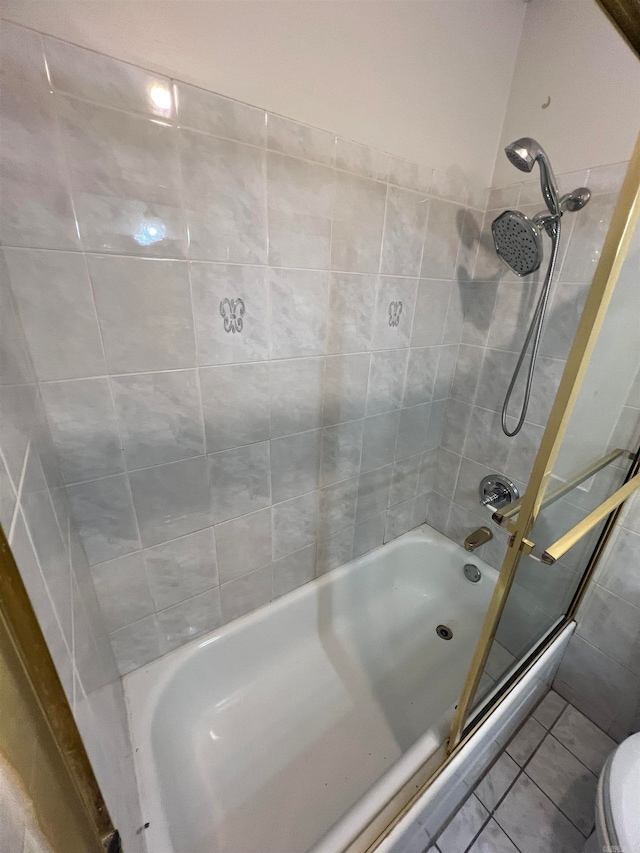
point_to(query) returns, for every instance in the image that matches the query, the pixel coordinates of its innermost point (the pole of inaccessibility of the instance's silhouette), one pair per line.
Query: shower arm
(535, 331)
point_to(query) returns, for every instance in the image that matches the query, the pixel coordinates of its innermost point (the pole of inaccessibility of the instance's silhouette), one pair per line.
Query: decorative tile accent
(232, 312)
(395, 310)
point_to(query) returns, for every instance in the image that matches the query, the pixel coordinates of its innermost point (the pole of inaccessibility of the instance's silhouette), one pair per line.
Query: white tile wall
(203, 441)
(216, 454)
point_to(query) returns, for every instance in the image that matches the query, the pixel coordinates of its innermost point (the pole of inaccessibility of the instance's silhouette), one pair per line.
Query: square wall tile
(190, 619)
(400, 519)
(240, 480)
(352, 302)
(358, 215)
(373, 493)
(211, 113)
(144, 310)
(345, 387)
(296, 395)
(341, 452)
(413, 176)
(386, 380)
(36, 202)
(379, 440)
(160, 416)
(55, 302)
(171, 500)
(95, 77)
(224, 188)
(235, 402)
(420, 380)
(412, 430)
(123, 591)
(295, 524)
(294, 570)
(406, 476)
(298, 312)
(243, 544)
(337, 507)
(230, 307)
(369, 534)
(246, 593)
(300, 140)
(299, 206)
(124, 179)
(362, 160)
(295, 464)
(84, 428)
(137, 644)
(432, 302)
(394, 312)
(334, 551)
(442, 240)
(404, 229)
(182, 568)
(103, 512)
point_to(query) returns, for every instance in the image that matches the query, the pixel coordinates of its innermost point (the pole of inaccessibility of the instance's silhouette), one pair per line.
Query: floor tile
(566, 781)
(495, 784)
(549, 709)
(584, 739)
(534, 823)
(493, 840)
(525, 742)
(463, 827)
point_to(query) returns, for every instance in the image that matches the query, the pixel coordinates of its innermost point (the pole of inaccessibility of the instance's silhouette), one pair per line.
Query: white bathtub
(290, 728)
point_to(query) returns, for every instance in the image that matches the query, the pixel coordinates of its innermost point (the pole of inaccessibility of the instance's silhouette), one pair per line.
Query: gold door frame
(625, 219)
(19, 626)
(623, 223)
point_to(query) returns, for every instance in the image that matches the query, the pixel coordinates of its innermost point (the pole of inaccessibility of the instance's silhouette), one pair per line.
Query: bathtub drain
(444, 632)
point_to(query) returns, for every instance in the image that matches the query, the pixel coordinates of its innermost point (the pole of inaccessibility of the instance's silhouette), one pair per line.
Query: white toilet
(618, 802)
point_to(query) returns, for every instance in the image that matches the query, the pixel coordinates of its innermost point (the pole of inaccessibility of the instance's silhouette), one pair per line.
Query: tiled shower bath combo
(240, 352)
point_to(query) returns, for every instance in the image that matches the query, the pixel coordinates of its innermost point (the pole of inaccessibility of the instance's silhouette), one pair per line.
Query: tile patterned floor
(539, 796)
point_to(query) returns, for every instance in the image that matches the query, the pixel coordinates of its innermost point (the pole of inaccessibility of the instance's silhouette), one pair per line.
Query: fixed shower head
(518, 241)
(524, 154)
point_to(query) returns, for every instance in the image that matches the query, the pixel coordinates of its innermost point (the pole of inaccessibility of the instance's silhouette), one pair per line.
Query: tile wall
(600, 672)
(497, 308)
(259, 349)
(36, 519)
(243, 329)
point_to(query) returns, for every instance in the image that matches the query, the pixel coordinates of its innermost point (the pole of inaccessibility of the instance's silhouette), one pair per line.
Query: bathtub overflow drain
(443, 632)
(472, 573)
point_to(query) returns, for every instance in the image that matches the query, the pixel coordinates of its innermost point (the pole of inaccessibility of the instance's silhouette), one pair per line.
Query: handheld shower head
(524, 154)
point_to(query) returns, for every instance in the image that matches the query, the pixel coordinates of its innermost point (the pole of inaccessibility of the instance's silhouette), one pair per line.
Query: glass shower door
(586, 465)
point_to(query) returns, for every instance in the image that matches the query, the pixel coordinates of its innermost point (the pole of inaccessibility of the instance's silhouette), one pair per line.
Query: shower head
(524, 154)
(518, 241)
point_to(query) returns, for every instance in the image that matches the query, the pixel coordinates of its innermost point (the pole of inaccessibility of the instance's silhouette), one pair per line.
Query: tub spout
(477, 538)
